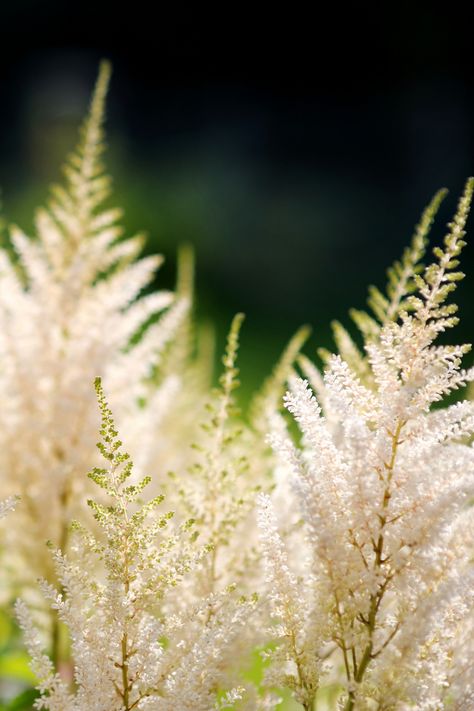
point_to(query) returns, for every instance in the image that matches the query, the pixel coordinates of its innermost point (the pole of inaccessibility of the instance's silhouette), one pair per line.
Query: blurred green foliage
(16, 678)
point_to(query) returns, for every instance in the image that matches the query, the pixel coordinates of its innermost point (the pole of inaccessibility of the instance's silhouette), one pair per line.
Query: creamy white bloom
(70, 309)
(128, 651)
(385, 486)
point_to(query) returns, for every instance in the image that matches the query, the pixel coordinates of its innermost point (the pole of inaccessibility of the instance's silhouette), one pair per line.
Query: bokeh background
(295, 151)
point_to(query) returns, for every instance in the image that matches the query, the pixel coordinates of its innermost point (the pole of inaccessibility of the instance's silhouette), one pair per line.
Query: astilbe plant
(216, 491)
(69, 311)
(384, 483)
(71, 308)
(368, 602)
(231, 463)
(129, 651)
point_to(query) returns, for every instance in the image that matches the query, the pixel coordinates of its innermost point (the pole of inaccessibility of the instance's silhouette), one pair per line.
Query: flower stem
(376, 598)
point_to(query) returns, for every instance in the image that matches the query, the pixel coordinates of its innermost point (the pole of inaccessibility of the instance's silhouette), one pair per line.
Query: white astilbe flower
(127, 651)
(69, 310)
(220, 487)
(385, 487)
(216, 481)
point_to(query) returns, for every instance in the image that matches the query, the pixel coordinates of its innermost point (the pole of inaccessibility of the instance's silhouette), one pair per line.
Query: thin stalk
(124, 646)
(125, 652)
(56, 624)
(376, 598)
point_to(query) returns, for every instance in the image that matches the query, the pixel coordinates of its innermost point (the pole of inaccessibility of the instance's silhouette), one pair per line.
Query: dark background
(294, 149)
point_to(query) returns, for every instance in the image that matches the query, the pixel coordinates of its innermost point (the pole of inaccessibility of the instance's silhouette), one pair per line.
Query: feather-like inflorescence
(129, 651)
(385, 485)
(70, 307)
(361, 539)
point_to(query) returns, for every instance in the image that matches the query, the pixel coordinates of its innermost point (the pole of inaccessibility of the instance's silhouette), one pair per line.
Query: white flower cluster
(68, 312)
(128, 652)
(385, 485)
(144, 611)
(353, 574)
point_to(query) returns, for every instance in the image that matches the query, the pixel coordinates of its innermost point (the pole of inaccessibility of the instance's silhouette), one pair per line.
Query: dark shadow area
(295, 152)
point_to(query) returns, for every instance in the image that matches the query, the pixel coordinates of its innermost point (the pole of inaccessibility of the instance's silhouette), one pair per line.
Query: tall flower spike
(219, 491)
(72, 312)
(128, 651)
(440, 278)
(385, 486)
(405, 277)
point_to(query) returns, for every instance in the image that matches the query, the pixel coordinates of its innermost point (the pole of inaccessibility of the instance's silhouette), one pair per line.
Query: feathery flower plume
(385, 484)
(69, 309)
(128, 651)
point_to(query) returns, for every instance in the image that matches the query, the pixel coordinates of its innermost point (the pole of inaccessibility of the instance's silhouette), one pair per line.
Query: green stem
(126, 685)
(126, 700)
